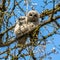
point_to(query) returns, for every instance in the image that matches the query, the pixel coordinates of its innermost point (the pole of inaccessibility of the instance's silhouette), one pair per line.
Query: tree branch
(41, 15)
(21, 35)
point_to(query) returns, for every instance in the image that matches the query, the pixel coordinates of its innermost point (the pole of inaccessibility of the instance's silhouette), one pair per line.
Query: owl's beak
(33, 19)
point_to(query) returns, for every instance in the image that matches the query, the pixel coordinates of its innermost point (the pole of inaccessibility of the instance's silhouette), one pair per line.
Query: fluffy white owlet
(26, 23)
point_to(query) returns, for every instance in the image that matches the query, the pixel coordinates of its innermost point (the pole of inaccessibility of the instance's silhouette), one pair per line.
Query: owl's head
(32, 16)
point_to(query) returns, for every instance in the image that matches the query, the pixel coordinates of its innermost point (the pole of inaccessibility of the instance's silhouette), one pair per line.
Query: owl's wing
(20, 25)
(21, 20)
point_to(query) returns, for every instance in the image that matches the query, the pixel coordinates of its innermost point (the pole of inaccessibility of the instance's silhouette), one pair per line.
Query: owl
(26, 23)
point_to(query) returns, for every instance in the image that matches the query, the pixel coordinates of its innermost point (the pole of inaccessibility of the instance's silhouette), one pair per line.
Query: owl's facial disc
(32, 16)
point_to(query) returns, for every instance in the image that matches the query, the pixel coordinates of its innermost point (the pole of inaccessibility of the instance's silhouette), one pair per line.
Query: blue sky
(54, 39)
(45, 30)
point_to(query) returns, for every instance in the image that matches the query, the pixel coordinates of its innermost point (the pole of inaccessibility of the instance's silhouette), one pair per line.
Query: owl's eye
(35, 15)
(30, 14)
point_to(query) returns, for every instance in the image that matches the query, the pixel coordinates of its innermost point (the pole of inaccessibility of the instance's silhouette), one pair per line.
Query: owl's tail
(22, 40)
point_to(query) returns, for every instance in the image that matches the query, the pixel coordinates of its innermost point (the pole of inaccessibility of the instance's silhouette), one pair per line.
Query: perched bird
(26, 23)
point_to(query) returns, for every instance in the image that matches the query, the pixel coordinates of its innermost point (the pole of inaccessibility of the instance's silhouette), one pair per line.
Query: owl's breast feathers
(19, 29)
(22, 20)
